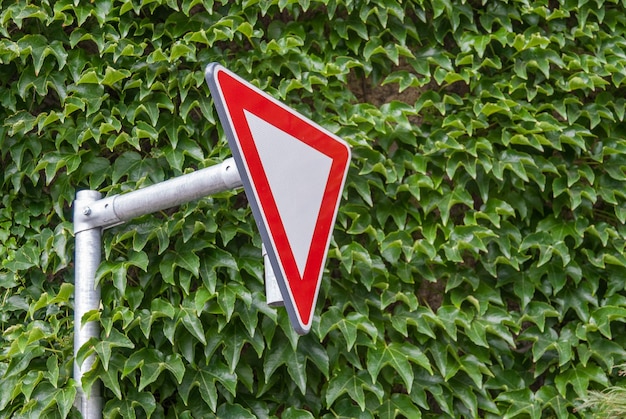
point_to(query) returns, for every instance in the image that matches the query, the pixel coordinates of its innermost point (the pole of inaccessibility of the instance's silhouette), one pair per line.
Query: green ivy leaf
(579, 377)
(399, 357)
(354, 385)
(603, 316)
(348, 325)
(192, 323)
(294, 413)
(520, 402)
(399, 404)
(104, 348)
(205, 378)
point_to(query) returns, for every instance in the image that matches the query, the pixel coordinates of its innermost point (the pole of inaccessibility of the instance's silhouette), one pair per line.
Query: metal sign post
(88, 243)
(294, 195)
(92, 215)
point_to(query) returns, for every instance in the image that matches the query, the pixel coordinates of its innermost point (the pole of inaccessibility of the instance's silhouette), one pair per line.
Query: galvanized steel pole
(117, 209)
(88, 245)
(92, 215)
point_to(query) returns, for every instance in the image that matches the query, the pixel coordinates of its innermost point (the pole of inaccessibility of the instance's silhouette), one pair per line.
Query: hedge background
(477, 267)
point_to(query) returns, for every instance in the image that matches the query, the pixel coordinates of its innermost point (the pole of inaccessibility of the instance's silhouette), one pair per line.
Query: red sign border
(236, 95)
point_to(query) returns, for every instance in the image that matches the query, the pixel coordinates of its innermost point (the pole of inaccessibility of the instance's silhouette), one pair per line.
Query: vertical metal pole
(273, 296)
(87, 298)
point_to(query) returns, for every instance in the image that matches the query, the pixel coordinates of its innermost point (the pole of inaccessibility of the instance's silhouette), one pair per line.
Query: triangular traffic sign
(293, 172)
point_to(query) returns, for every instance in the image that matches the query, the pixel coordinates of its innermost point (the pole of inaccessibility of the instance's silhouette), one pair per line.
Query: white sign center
(298, 207)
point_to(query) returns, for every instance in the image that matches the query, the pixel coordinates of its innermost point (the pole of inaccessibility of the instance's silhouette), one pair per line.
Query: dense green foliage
(608, 403)
(477, 267)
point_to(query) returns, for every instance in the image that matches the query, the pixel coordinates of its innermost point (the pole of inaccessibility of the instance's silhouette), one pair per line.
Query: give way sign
(293, 172)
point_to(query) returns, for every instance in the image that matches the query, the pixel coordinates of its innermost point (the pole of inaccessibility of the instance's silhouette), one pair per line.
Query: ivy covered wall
(477, 267)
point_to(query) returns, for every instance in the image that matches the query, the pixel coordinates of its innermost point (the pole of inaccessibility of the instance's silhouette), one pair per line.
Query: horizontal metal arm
(117, 209)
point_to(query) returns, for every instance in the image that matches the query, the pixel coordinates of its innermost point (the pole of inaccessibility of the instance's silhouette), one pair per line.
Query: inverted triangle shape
(278, 152)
